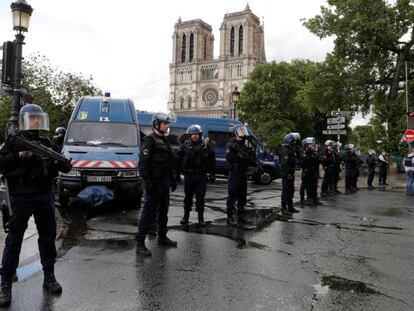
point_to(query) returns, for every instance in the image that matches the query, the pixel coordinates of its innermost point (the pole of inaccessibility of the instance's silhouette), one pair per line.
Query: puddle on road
(333, 282)
(392, 211)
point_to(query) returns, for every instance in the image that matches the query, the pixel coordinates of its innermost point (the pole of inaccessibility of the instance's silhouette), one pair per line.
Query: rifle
(6, 209)
(43, 152)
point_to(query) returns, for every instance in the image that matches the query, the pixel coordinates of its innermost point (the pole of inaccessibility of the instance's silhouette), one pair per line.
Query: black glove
(173, 185)
(212, 178)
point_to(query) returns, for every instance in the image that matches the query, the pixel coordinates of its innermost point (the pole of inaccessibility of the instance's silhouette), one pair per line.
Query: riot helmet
(32, 118)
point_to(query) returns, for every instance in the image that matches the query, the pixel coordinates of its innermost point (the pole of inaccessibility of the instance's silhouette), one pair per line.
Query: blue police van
(219, 131)
(103, 141)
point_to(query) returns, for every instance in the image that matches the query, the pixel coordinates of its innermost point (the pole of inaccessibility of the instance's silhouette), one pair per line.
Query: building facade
(202, 85)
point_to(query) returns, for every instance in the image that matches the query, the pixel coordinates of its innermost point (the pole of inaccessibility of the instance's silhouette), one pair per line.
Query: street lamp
(235, 97)
(21, 12)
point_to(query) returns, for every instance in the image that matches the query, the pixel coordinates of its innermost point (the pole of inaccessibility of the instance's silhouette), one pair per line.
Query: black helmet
(60, 130)
(32, 117)
(194, 129)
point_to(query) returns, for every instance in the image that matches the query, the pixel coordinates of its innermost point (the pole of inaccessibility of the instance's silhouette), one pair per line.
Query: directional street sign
(335, 120)
(336, 113)
(334, 132)
(335, 127)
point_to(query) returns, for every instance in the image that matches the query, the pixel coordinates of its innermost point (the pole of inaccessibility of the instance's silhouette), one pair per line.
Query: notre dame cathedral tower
(201, 85)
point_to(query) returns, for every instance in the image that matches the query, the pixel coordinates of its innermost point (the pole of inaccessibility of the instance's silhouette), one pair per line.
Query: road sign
(336, 113)
(335, 120)
(335, 127)
(334, 132)
(409, 136)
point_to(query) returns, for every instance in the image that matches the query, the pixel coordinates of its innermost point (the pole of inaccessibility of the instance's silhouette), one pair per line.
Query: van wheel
(265, 178)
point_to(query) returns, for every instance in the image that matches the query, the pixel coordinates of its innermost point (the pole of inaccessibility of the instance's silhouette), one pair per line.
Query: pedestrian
(328, 163)
(289, 158)
(383, 168)
(309, 162)
(409, 171)
(239, 157)
(196, 160)
(30, 181)
(337, 166)
(372, 163)
(157, 168)
(59, 138)
(350, 164)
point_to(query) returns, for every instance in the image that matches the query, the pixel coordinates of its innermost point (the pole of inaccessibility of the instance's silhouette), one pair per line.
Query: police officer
(337, 166)
(288, 158)
(372, 164)
(30, 190)
(383, 168)
(309, 162)
(328, 163)
(196, 159)
(350, 165)
(357, 153)
(59, 137)
(156, 166)
(239, 157)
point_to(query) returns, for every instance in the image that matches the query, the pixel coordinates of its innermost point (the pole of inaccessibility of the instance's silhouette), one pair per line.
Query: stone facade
(200, 84)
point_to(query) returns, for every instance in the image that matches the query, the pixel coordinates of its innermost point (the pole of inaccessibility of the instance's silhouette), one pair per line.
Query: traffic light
(7, 70)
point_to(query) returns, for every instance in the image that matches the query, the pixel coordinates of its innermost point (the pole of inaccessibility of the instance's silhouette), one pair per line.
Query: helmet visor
(34, 121)
(171, 117)
(242, 131)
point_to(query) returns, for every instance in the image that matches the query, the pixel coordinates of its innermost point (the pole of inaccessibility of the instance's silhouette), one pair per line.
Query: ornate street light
(235, 97)
(21, 12)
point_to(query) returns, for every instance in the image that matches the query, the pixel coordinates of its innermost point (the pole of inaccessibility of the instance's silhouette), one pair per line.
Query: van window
(90, 110)
(146, 130)
(102, 133)
(176, 135)
(220, 139)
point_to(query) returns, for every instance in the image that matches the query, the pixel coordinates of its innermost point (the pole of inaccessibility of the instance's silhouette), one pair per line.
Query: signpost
(336, 124)
(409, 136)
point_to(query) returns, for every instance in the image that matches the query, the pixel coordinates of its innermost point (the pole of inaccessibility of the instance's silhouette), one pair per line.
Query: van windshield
(102, 133)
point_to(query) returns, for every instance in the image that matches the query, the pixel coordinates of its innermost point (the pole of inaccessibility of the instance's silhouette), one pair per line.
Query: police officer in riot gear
(59, 137)
(288, 158)
(372, 163)
(357, 153)
(309, 162)
(337, 166)
(30, 183)
(156, 166)
(239, 156)
(328, 163)
(196, 159)
(350, 165)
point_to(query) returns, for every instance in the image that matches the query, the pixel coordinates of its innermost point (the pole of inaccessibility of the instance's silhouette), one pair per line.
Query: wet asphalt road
(353, 253)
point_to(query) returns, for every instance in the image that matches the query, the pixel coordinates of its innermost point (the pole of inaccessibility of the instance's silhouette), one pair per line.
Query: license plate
(99, 178)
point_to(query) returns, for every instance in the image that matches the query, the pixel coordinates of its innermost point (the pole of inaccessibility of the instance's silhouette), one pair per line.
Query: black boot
(165, 241)
(201, 221)
(142, 249)
(184, 220)
(5, 293)
(50, 284)
(291, 209)
(285, 211)
(230, 220)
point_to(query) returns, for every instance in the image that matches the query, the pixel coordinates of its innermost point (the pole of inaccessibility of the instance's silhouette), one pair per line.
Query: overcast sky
(126, 45)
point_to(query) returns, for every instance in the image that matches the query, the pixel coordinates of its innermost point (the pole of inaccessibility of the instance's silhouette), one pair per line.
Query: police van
(219, 131)
(103, 141)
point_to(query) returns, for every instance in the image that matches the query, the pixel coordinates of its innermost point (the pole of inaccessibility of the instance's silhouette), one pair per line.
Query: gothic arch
(241, 38)
(191, 47)
(183, 48)
(232, 39)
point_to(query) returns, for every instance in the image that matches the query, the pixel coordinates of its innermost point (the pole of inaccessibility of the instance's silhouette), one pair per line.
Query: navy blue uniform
(371, 163)
(351, 164)
(197, 159)
(288, 166)
(337, 170)
(156, 166)
(309, 162)
(328, 163)
(30, 189)
(239, 157)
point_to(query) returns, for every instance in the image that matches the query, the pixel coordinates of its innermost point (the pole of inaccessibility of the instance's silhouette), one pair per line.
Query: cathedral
(201, 85)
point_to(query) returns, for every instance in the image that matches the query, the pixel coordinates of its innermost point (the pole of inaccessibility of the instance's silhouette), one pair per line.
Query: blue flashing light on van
(103, 140)
(219, 131)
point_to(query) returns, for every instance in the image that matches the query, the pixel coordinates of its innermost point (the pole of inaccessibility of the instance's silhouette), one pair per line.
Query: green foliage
(56, 91)
(270, 104)
(373, 39)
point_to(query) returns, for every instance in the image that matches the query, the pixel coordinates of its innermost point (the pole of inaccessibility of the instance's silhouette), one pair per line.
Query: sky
(126, 45)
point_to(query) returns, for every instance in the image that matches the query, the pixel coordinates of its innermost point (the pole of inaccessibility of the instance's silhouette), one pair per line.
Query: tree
(373, 40)
(55, 90)
(270, 104)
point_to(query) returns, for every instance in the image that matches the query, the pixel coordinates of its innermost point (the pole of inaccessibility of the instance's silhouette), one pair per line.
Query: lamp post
(235, 97)
(21, 12)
